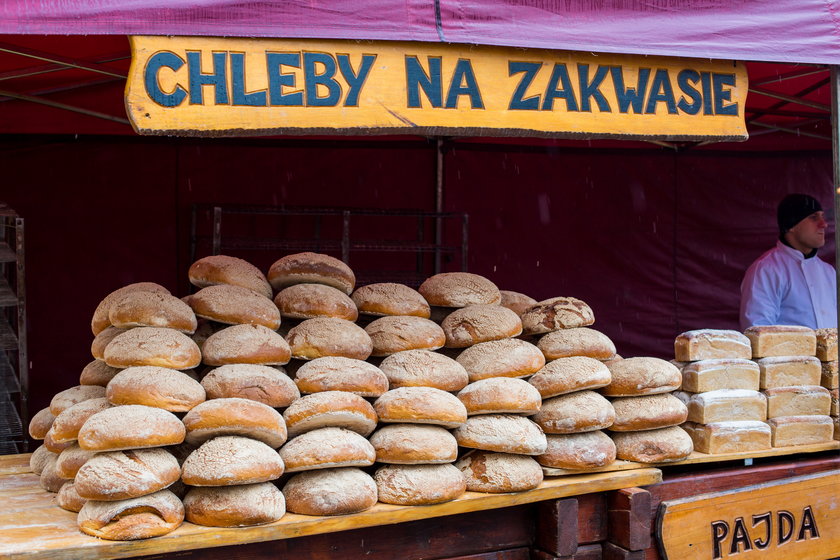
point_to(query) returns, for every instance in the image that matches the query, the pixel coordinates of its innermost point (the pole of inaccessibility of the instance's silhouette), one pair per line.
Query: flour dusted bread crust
(580, 341)
(68, 499)
(336, 373)
(40, 423)
(328, 336)
(726, 405)
(231, 460)
(222, 269)
(505, 433)
(423, 368)
(136, 518)
(120, 475)
(264, 384)
(709, 344)
(307, 301)
(152, 346)
(74, 395)
(581, 411)
(97, 372)
(246, 344)
(414, 444)
(152, 309)
(829, 377)
(49, 479)
(642, 376)
(415, 485)
(500, 395)
(330, 492)
(235, 417)
(326, 448)
(567, 375)
(311, 268)
(648, 412)
(420, 405)
(159, 387)
(234, 305)
(801, 430)
(798, 401)
(101, 320)
(388, 298)
(330, 408)
(71, 460)
(729, 437)
(781, 340)
(235, 506)
(39, 459)
(516, 302)
(459, 289)
(826, 344)
(586, 450)
(480, 323)
(662, 445)
(494, 473)
(788, 371)
(131, 426)
(555, 314)
(509, 357)
(720, 373)
(393, 334)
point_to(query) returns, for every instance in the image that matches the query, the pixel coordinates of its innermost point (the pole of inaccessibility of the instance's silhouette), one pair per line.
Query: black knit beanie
(793, 209)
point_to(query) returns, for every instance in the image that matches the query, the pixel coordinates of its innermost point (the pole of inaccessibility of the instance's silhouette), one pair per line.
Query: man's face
(809, 234)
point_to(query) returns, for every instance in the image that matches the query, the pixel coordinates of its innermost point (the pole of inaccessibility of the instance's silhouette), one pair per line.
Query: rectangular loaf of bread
(830, 378)
(826, 344)
(797, 401)
(837, 429)
(721, 373)
(781, 340)
(726, 405)
(708, 344)
(729, 437)
(789, 371)
(834, 410)
(801, 430)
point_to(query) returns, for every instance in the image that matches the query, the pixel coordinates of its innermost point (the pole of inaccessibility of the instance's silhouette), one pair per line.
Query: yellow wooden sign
(234, 87)
(792, 519)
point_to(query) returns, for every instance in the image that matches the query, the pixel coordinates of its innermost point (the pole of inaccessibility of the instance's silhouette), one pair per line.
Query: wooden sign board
(792, 519)
(209, 86)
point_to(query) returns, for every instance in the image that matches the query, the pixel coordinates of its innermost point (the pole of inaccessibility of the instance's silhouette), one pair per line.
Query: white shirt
(782, 287)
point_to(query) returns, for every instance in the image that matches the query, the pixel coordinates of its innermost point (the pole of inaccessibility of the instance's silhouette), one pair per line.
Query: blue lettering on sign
(354, 80)
(590, 89)
(240, 96)
(552, 92)
(724, 95)
(661, 92)
(685, 79)
(163, 59)
(312, 79)
(518, 99)
(277, 80)
(706, 84)
(463, 83)
(416, 79)
(630, 97)
(217, 78)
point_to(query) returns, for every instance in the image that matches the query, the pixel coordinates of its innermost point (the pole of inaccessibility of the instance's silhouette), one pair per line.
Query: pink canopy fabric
(797, 31)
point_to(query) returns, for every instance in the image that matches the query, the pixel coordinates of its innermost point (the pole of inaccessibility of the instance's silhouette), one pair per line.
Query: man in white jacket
(790, 284)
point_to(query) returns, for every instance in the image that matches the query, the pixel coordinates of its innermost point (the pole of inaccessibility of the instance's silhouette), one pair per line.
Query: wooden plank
(612, 467)
(628, 514)
(14, 464)
(585, 552)
(557, 527)
(615, 552)
(513, 554)
(592, 518)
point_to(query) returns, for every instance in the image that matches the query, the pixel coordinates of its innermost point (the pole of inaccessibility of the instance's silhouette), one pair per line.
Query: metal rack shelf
(14, 371)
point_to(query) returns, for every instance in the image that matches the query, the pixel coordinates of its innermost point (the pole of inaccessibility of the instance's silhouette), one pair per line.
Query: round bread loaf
(120, 475)
(416, 485)
(423, 368)
(555, 314)
(388, 298)
(71, 460)
(516, 302)
(137, 518)
(393, 334)
(103, 339)
(326, 448)
(245, 344)
(307, 301)
(509, 357)
(235, 305)
(53, 446)
(159, 387)
(41, 423)
(642, 376)
(459, 289)
(231, 460)
(586, 450)
(100, 319)
(68, 499)
(567, 375)
(581, 411)
(205, 330)
(74, 395)
(222, 269)
(576, 342)
(480, 323)
(152, 309)
(235, 417)
(131, 426)
(505, 433)
(420, 405)
(264, 384)
(498, 395)
(648, 412)
(235, 506)
(495, 473)
(414, 444)
(330, 408)
(609, 361)
(39, 459)
(152, 346)
(336, 373)
(328, 336)
(662, 445)
(97, 372)
(66, 426)
(330, 492)
(311, 268)
(49, 479)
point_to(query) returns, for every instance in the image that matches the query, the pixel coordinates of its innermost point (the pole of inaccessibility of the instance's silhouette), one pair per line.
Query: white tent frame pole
(835, 152)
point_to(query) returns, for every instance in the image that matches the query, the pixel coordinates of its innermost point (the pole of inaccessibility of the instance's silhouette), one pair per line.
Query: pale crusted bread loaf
(567, 375)
(246, 344)
(326, 448)
(264, 384)
(234, 305)
(393, 334)
(415, 485)
(388, 298)
(235, 506)
(509, 357)
(581, 411)
(829, 377)
(837, 428)
(709, 344)
(97, 372)
(159, 387)
(235, 417)
(55, 447)
(459, 289)
(136, 518)
(311, 268)
(103, 339)
(68, 499)
(336, 373)
(420, 405)
(423, 368)
(330, 492)
(231, 460)
(788, 371)
(152, 309)
(505, 433)
(223, 269)
(798, 401)
(414, 444)
(586, 450)
(826, 344)
(100, 316)
(131, 426)
(205, 330)
(39, 459)
(555, 314)
(726, 405)
(495, 473)
(618, 357)
(720, 373)
(500, 395)
(515, 301)
(480, 323)
(152, 346)
(120, 475)
(781, 340)
(729, 437)
(74, 395)
(642, 376)
(662, 445)
(307, 301)
(580, 341)
(801, 430)
(328, 336)
(835, 402)
(648, 412)
(40, 423)
(330, 408)
(71, 460)
(49, 479)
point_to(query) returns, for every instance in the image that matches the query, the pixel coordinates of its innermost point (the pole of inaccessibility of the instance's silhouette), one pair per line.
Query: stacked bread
(827, 354)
